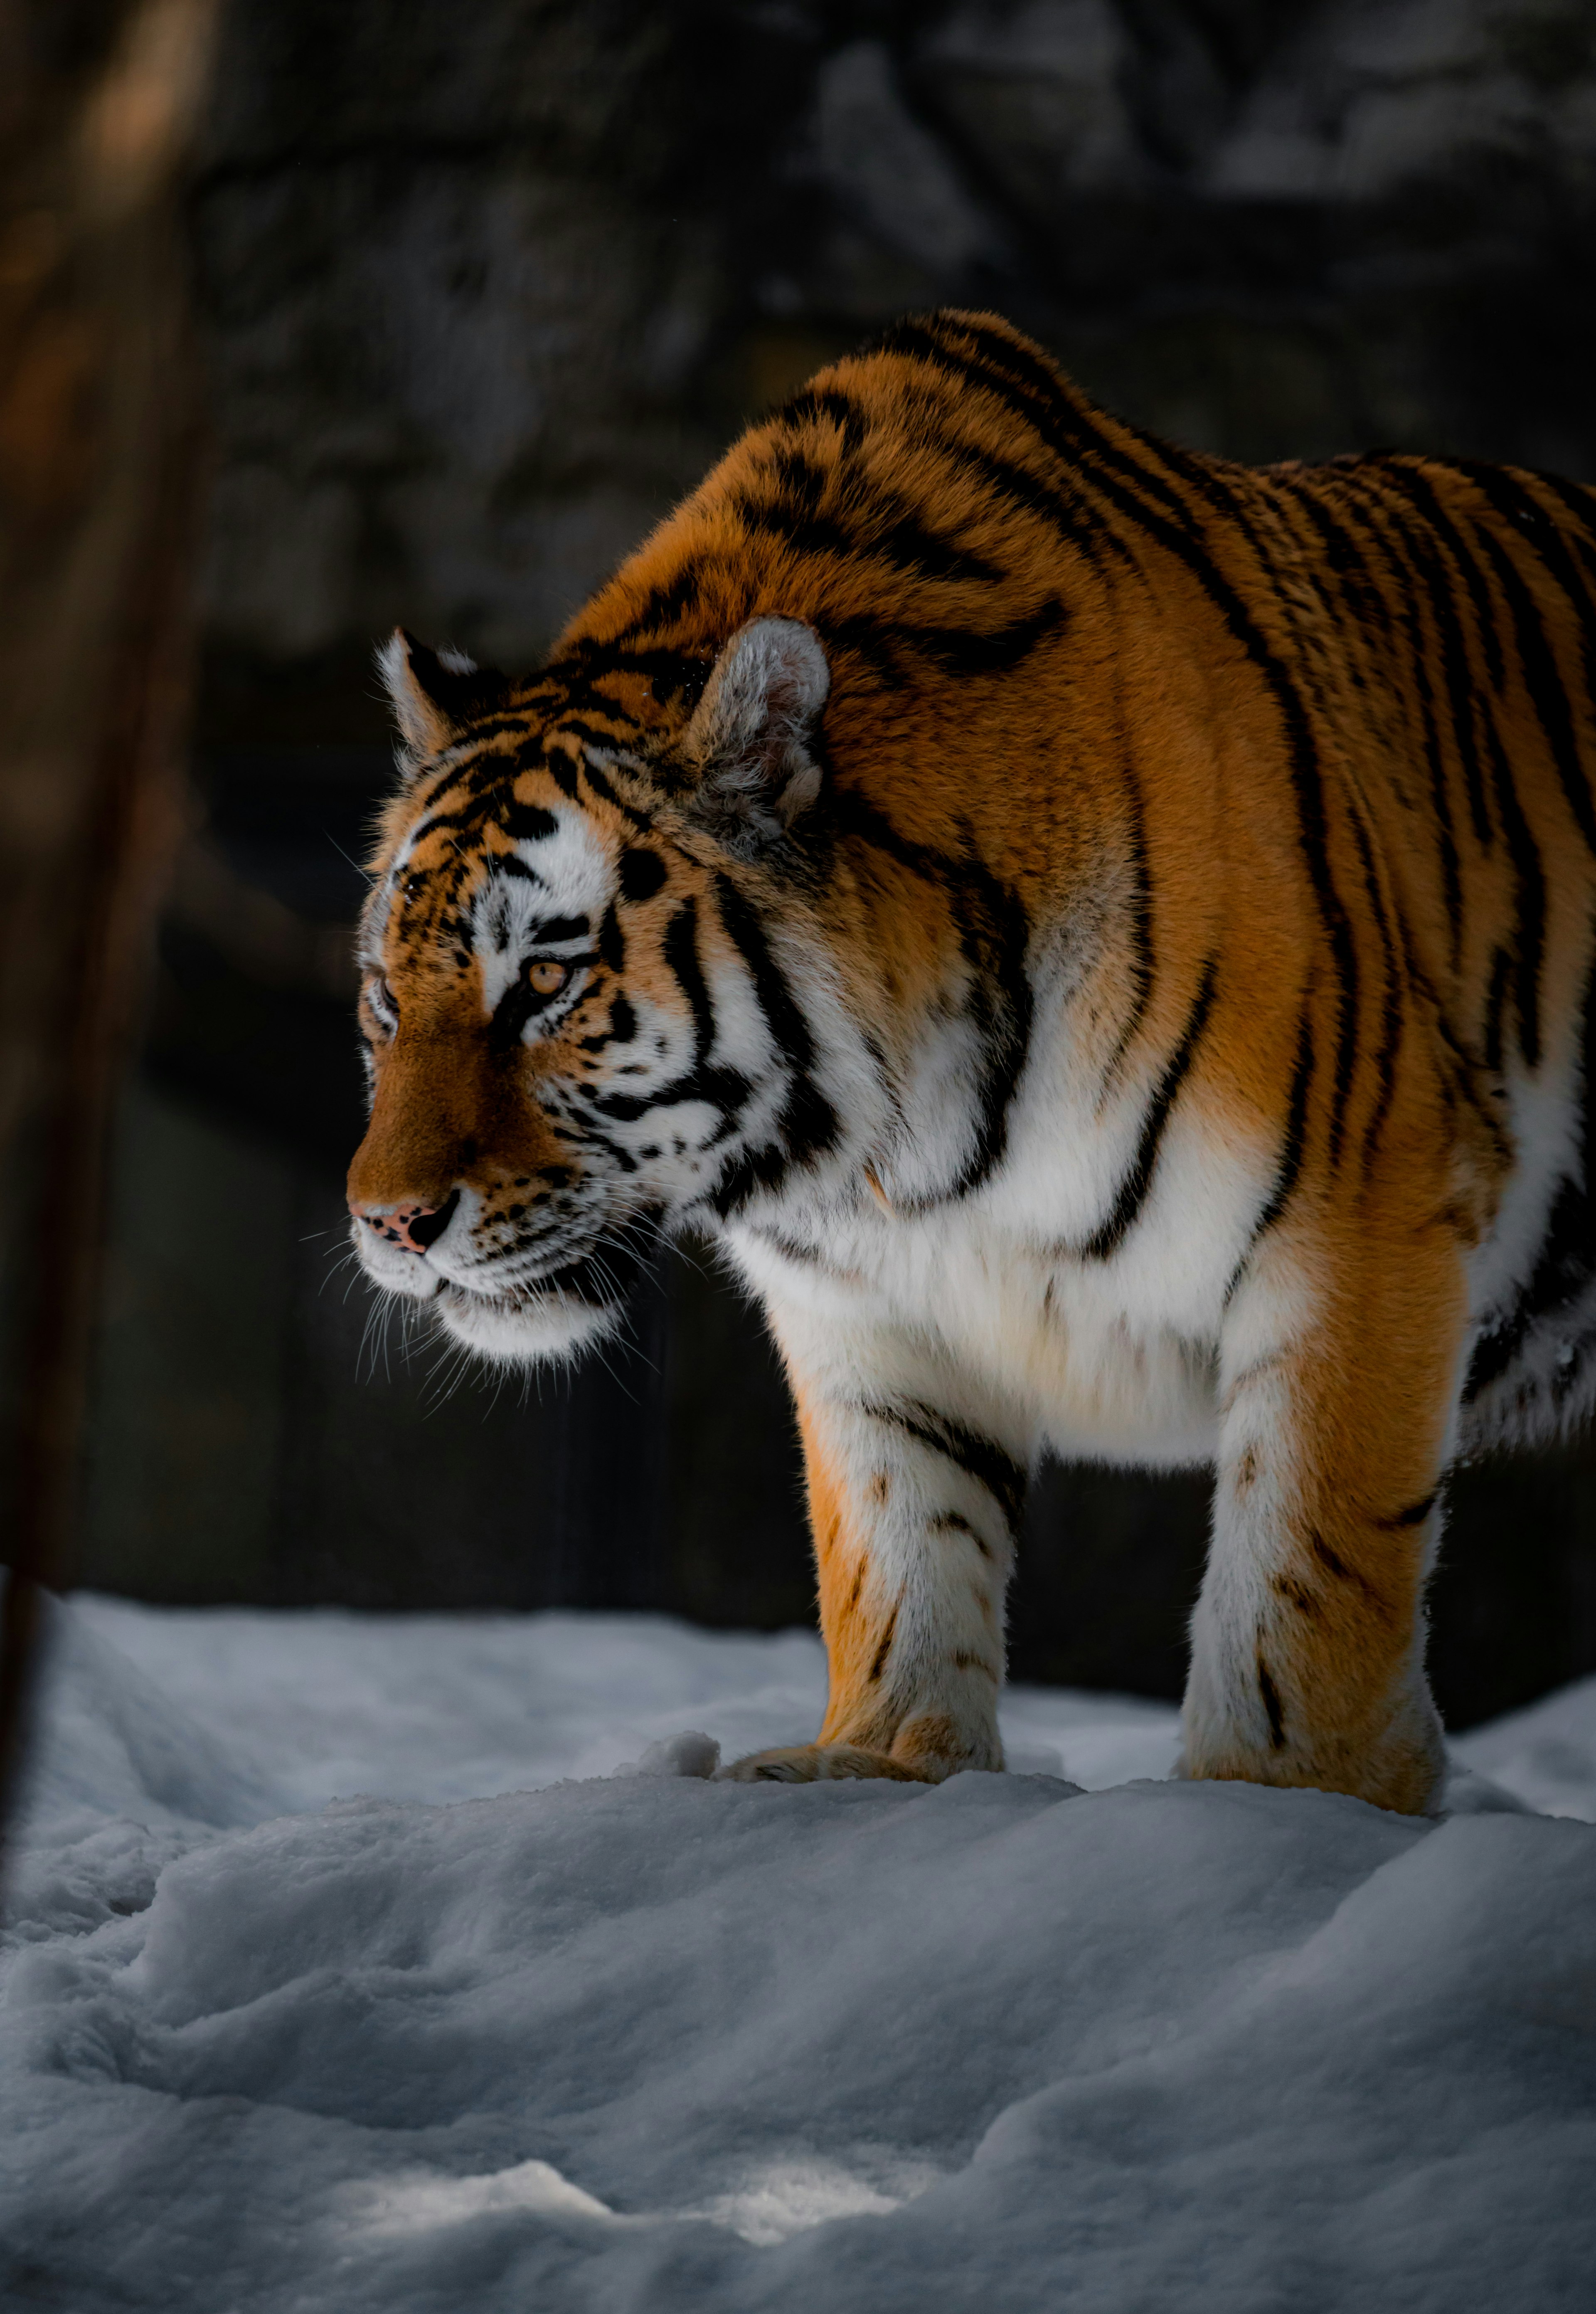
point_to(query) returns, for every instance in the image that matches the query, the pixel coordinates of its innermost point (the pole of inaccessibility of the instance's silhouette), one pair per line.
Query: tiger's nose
(412, 1227)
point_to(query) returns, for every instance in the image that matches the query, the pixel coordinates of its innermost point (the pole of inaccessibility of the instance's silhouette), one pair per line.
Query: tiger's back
(1135, 916)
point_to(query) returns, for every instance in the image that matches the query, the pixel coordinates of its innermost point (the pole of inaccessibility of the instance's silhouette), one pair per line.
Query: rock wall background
(483, 290)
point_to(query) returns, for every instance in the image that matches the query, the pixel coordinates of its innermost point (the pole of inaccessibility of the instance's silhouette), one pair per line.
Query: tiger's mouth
(563, 1310)
(599, 1280)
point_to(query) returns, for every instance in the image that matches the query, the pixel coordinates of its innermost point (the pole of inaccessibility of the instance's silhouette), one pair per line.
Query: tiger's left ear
(436, 695)
(750, 733)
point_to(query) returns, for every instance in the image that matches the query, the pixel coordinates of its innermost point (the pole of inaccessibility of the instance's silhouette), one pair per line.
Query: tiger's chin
(528, 1329)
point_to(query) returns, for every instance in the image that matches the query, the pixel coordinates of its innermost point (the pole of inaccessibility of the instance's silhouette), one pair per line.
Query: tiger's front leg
(913, 1502)
(1340, 1368)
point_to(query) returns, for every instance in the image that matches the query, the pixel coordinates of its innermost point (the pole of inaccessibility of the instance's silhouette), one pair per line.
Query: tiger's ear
(750, 733)
(436, 695)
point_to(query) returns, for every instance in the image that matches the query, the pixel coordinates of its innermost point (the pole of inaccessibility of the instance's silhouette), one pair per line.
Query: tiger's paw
(816, 1763)
(1408, 1779)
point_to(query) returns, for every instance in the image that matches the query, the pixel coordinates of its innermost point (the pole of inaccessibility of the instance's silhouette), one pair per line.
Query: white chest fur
(1112, 1356)
(1093, 1361)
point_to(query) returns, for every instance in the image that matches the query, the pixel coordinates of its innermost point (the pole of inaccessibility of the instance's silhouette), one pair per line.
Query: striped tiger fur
(1104, 937)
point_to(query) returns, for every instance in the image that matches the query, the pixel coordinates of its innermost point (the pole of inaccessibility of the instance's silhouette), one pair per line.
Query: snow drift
(539, 2022)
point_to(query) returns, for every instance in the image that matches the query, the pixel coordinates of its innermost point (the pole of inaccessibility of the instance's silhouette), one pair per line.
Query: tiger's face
(567, 998)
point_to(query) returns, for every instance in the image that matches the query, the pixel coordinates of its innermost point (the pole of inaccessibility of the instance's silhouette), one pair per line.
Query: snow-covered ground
(346, 1967)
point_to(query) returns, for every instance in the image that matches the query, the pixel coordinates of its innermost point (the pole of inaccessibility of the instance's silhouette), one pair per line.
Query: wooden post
(99, 472)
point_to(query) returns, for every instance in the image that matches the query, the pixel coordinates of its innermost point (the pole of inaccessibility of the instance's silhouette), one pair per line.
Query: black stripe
(1071, 518)
(1517, 503)
(1362, 608)
(788, 1025)
(1293, 1142)
(827, 402)
(852, 816)
(764, 1167)
(1528, 898)
(674, 674)
(665, 604)
(681, 954)
(865, 636)
(583, 664)
(789, 526)
(886, 528)
(911, 547)
(1106, 1241)
(790, 465)
(1544, 684)
(950, 1522)
(1413, 1513)
(525, 823)
(642, 873)
(879, 1664)
(1138, 920)
(808, 1124)
(1576, 498)
(726, 1089)
(1412, 478)
(993, 936)
(963, 652)
(979, 1457)
(1565, 1259)
(792, 1249)
(1393, 1018)
(605, 790)
(586, 735)
(1333, 1564)
(622, 1028)
(1271, 1695)
(960, 653)
(1496, 1005)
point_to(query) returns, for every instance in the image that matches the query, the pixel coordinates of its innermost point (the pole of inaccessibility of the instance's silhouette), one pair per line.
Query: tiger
(1101, 938)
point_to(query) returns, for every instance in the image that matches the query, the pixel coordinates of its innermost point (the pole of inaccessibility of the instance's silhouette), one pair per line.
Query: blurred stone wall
(484, 289)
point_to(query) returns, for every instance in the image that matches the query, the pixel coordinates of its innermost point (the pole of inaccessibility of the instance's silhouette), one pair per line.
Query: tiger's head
(580, 1029)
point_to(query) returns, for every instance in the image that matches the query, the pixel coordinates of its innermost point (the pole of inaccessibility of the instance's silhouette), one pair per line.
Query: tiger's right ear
(752, 735)
(436, 695)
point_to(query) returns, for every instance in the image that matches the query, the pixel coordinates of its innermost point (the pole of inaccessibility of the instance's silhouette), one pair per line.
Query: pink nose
(413, 1228)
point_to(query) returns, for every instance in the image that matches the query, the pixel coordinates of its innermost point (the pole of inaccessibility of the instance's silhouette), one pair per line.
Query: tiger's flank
(1103, 938)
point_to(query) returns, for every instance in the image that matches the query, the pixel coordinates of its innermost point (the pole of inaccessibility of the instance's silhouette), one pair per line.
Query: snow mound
(1546, 1755)
(588, 2039)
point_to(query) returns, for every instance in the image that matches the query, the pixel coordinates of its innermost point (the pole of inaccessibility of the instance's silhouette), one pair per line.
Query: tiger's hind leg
(1340, 1369)
(913, 1501)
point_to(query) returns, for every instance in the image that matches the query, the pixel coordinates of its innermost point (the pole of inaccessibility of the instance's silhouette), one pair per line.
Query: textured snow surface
(411, 1964)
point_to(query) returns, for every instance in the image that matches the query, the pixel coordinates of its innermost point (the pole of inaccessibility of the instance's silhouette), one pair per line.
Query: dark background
(482, 291)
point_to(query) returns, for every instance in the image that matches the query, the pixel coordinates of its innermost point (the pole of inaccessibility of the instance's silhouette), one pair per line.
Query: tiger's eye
(547, 978)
